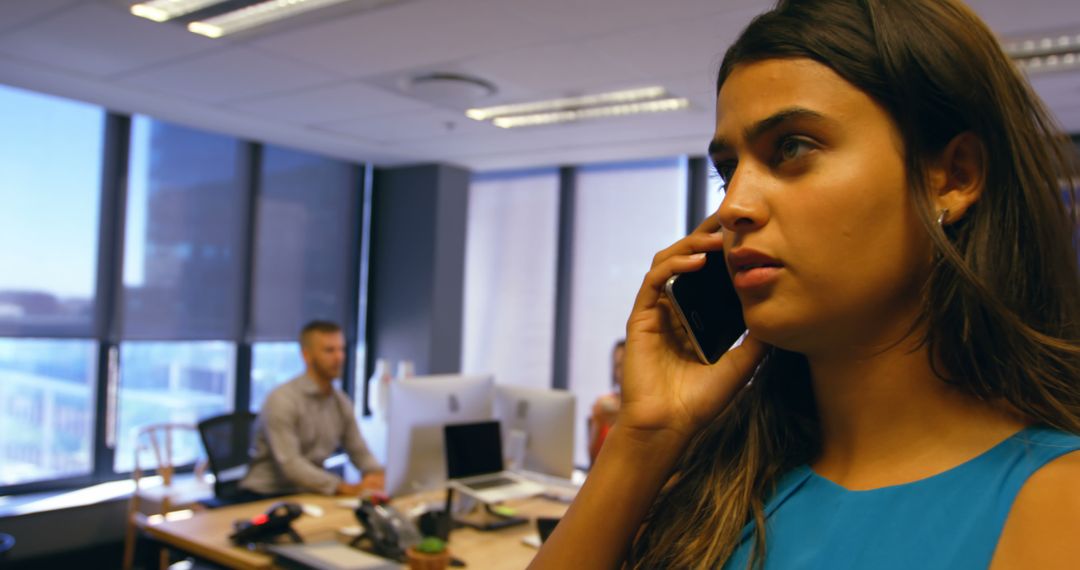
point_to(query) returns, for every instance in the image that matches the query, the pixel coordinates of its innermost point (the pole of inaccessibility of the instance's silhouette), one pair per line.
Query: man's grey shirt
(298, 428)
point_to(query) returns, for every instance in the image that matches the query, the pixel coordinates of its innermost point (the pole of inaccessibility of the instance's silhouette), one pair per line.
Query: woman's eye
(725, 170)
(792, 148)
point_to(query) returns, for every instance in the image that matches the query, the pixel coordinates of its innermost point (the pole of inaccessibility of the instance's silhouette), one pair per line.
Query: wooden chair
(154, 452)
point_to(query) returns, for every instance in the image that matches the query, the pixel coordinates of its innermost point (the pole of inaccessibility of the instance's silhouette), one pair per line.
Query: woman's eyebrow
(756, 130)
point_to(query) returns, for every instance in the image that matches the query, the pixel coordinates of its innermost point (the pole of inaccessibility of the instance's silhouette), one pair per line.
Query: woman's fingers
(739, 363)
(696, 242)
(652, 287)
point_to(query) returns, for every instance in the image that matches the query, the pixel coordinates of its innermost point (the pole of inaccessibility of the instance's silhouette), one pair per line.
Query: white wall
(510, 269)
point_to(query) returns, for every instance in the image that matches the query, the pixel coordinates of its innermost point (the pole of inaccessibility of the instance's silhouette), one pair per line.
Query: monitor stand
(483, 519)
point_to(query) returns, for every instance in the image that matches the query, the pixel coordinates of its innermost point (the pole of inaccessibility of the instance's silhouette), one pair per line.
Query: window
(624, 214)
(185, 226)
(178, 382)
(50, 180)
(510, 268)
(183, 264)
(50, 188)
(271, 364)
(46, 409)
(307, 207)
(191, 268)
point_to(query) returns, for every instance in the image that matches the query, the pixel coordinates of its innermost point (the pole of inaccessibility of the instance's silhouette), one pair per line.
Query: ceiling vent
(448, 89)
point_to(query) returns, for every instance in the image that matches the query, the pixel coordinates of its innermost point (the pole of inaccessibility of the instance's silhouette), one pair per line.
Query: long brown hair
(1001, 309)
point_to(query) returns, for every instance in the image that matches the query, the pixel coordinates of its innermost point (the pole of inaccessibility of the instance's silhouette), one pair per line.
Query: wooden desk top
(206, 533)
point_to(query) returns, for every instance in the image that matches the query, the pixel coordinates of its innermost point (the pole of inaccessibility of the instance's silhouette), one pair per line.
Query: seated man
(606, 408)
(304, 421)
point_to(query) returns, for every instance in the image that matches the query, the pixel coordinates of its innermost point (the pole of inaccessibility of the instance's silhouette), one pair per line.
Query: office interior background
(175, 207)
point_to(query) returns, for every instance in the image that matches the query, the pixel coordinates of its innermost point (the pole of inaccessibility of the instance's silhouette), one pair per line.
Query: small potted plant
(429, 554)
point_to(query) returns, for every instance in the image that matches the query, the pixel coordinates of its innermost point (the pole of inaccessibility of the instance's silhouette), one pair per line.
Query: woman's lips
(755, 277)
(752, 269)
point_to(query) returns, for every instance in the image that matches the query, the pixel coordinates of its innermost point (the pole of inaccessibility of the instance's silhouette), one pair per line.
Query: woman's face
(823, 243)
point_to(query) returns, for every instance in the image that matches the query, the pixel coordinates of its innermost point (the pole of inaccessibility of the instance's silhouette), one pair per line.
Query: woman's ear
(958, 176)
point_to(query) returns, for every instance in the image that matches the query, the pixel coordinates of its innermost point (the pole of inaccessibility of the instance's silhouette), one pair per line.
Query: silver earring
(942, 215)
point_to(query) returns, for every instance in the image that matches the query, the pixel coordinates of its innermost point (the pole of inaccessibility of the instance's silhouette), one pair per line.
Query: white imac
(418, 409)
(545, 418)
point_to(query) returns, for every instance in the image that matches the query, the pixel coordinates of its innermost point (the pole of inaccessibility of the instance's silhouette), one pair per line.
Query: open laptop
(474, 464)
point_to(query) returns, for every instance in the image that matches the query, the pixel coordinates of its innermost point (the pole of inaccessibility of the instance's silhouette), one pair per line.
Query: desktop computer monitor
(546, 418)
(419, 407)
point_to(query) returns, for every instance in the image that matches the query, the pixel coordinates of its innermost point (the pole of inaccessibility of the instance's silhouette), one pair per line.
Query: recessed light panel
(265, 13)
(569, 109)
(165, 10)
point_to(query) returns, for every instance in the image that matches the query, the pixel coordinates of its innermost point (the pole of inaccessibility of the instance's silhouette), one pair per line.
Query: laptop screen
(473, 449)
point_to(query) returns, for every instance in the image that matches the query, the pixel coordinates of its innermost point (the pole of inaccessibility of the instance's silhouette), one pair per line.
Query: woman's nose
(743, 208)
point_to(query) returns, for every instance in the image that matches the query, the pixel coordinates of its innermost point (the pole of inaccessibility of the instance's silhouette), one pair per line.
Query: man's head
(617, 353)
(323, 346)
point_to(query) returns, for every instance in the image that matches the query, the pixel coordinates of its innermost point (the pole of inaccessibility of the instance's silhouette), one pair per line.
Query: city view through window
(179, 306)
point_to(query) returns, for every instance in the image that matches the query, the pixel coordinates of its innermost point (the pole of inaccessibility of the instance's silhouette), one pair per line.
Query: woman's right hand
(665, 387)
(667, 395)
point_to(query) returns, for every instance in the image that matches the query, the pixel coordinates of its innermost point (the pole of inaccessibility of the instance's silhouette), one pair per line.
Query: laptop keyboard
(489, 483)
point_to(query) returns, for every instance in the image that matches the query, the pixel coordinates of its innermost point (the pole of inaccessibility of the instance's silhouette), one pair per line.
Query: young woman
(908, 393)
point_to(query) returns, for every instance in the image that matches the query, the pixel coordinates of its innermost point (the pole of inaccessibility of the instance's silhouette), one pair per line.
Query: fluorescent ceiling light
(1049, 52)
(552, 117)
(1051, 62)
(261, 14)
(1050, 44)
(568, 103)
(165, 10)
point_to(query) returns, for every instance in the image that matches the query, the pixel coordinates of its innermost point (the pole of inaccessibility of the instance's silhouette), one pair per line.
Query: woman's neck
(886, 418)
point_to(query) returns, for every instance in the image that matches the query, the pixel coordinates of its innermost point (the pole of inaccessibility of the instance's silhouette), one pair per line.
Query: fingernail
(697, 256)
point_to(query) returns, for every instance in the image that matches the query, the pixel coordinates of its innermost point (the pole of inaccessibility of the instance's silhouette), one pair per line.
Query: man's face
(324, 354)
(617, 366)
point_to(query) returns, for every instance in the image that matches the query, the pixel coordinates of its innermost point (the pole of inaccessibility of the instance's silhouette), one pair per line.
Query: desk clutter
(267, 527)
(328, 532)
(420, 537)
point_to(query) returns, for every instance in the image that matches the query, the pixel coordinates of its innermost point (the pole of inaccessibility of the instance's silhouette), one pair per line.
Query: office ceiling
(330, 81)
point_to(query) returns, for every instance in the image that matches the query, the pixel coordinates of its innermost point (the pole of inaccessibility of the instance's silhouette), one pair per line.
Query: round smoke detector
(452, 88)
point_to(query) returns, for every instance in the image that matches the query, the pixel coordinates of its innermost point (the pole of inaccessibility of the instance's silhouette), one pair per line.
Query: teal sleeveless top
(950, 520)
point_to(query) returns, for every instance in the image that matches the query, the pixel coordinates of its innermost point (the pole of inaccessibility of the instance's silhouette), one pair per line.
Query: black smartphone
(708, 307)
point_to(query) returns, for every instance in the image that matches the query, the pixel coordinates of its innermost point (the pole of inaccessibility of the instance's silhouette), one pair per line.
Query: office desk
(206, 533)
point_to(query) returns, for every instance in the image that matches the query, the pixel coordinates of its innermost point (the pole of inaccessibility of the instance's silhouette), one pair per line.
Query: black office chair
(227, 440)
(7, 542)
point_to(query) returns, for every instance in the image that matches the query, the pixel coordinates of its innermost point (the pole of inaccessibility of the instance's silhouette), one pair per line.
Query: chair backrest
(157, 443)
(227, 440)
(7, 542)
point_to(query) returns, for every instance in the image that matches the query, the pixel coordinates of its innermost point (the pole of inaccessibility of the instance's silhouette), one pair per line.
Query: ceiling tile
(230, 75)
(100, 40)
(1010, 18)
(16, 14)
(580, 18)
(699, 87)
(329, 82)
(688, 46)
(554, 69)
(653, 148)
(694, 123)
(403, 36)
(410, 126)
(348, 100)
